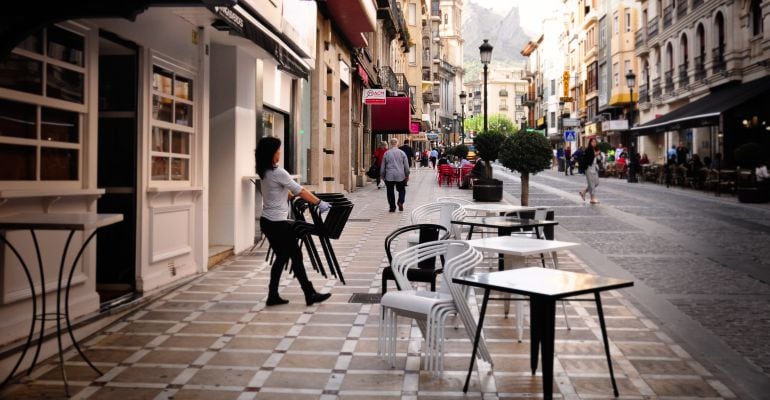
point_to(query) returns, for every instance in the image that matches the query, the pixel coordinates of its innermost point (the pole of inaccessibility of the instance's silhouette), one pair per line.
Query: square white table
(497, 208)
(62, 222)
(521, 247)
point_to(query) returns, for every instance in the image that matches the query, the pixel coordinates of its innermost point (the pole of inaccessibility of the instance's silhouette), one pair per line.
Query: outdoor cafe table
(72, 222)
(496, 208)
(544, 287)
(504, 225)
(521, 247)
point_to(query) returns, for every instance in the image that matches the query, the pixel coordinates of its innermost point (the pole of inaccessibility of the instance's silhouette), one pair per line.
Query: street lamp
(523, 123)
(486, 56)
(631, 82)
(559, 127)
(463, 96)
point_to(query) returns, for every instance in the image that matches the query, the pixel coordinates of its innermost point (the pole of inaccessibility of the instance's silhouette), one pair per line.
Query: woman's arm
(306, 195)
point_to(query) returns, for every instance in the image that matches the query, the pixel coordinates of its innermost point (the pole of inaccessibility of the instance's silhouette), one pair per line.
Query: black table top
(543, 282)
(504, 222)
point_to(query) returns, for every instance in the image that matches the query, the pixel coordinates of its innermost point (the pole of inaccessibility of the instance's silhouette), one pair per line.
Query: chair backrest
(460, 257)
(446, 169)
(458, 200)
(426, 232)
(441, 212)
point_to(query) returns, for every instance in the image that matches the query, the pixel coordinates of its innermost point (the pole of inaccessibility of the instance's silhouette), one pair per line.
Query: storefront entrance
(117, 168)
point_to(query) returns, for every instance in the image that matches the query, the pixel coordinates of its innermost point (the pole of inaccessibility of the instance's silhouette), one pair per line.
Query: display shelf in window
(172, 124)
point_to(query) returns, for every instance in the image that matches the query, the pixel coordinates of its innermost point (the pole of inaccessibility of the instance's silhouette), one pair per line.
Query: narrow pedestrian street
(213, 338)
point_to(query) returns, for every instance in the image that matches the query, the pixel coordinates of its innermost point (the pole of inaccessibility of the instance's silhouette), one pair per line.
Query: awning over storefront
(394, 116)
(26, 18)
(240, 22)
(706, 111)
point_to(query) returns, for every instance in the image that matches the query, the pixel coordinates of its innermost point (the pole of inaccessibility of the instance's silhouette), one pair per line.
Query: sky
(531, 12)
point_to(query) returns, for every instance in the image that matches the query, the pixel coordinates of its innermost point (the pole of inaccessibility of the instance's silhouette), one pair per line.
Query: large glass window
(172, 125)
(41, 135)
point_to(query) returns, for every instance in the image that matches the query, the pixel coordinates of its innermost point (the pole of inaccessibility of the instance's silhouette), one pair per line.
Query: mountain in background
(503, 31)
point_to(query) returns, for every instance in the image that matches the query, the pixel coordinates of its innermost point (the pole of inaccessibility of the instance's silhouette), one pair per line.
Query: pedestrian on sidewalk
(591, 158)
(382, 147)
(433, 157)
(568, 161)
(274, 223)
(407, 149)
(395, 172)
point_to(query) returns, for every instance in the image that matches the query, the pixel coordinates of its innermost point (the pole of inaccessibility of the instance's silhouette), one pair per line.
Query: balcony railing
(681, 9)
(718, 63)
(503, 93)
(427, 96)
(656, 92)
(696, 3)
(639, 38)
(669, 79)
(684, 78)
(668, 16)
(652, 28)
(503, 107)
(388, 78)
(700, 68)
(425, 74)
(402, 84)
(644, 94)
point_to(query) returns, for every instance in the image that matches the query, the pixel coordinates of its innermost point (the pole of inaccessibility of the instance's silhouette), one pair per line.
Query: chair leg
(334, 259)
(314, 253)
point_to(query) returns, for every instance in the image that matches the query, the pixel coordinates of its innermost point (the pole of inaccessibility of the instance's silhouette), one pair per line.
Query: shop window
(40, 139)
(41, 136)
(60, 64)
(172, 125)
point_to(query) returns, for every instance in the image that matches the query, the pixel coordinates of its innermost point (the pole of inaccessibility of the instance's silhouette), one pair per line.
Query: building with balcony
(508, 88)
(689, 51)
(622, 23)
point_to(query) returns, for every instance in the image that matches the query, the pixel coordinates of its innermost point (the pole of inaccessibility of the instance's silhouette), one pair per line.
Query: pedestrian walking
(591, 159)
(407, 149)
(395, 172)
(433, 157)
(382, 147)
(681, 154)
(276, 185)
(568, 161)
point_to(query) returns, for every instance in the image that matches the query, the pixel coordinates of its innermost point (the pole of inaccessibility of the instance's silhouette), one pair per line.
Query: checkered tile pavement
(214, 339)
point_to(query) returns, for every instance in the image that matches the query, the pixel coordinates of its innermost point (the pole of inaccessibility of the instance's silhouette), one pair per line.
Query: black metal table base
(44, 316)
(542, 338)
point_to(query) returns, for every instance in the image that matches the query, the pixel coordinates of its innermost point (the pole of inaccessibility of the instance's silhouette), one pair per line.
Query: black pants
(389, 185)
(284, 243)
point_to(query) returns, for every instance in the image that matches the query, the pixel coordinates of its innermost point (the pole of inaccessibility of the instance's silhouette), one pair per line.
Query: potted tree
(461, 151)
(487, 148)
(528, 153)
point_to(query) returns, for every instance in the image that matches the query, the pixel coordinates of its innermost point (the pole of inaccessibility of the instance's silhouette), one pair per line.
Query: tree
(487, 148)
(461, 151)
(495, 122)
(528, 153)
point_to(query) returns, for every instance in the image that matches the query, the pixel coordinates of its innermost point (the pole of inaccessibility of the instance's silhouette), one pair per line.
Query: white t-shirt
(762, 173)
(275, 187)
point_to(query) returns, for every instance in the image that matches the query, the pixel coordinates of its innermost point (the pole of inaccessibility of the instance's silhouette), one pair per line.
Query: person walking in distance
(395, 172)
(568, 161)
(433, 157)
(591, 158)
(407, 149)
(382, 147)
(277, 184)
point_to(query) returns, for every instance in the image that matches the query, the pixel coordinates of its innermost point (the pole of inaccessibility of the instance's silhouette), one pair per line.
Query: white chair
(442, 213)
(429, 309)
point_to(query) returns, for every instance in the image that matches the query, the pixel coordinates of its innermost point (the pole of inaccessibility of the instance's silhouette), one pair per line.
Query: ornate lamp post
(463, 96)
(486, 56)
(631, 82)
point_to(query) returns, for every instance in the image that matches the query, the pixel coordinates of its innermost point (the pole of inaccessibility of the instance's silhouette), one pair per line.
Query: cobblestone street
(213, 338)
(705, 256)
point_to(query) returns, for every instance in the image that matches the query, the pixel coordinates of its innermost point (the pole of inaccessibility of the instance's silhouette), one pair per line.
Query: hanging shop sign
(374, 96)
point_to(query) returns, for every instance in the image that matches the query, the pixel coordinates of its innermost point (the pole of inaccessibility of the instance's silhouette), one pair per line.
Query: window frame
(189, 74)
(412, 14)
(43, 101)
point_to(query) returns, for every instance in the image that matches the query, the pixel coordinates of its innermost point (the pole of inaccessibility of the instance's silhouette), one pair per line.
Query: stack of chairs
(324, 227)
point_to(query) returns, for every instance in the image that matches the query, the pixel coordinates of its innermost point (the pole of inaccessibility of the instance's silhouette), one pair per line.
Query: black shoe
(275, 301)
(392, 210)
(316, 297)
(400, 206)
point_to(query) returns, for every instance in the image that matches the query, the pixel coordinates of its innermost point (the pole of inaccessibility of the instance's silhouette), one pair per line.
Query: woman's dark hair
(266, 149)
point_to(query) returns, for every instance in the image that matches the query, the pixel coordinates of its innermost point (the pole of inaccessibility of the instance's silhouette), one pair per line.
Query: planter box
(487, 190)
